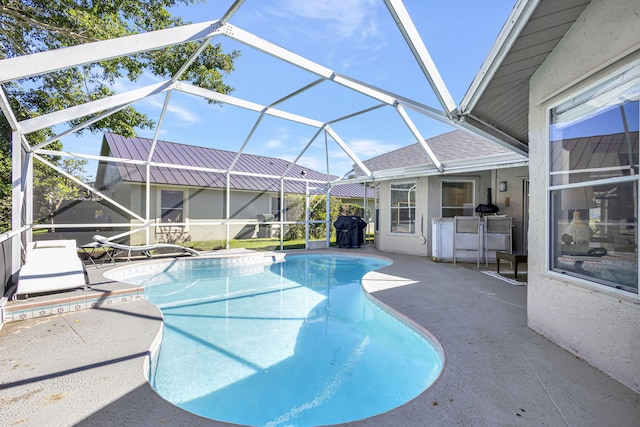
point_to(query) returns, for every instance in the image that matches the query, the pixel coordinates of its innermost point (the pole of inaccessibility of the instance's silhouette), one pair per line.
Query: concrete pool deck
(86, 368)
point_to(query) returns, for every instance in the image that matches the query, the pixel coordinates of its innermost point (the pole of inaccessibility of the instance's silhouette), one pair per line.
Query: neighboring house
(564, 79)
(412, 194)
(191, 202)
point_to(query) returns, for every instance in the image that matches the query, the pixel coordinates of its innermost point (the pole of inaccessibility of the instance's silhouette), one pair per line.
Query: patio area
(87, 367)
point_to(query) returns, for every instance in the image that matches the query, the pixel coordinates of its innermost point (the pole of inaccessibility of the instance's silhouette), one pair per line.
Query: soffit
(499, 95)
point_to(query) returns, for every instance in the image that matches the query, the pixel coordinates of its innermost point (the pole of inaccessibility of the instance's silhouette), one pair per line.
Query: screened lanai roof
(494, 108)
(406, 111)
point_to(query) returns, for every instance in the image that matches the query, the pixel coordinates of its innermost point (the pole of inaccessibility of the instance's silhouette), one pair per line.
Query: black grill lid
(489, 207)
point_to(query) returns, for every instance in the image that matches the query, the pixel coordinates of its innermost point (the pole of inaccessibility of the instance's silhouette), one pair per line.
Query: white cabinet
(442, 239)
(498, 238)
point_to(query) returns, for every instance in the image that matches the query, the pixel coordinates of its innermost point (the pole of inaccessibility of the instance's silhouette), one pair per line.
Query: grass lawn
(254, 244)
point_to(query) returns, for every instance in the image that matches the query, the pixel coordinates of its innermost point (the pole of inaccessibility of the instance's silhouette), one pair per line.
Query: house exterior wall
(515, 179)
(600, 325)
(204, 212)
(202, 206)
(429, 204)
(403, 243)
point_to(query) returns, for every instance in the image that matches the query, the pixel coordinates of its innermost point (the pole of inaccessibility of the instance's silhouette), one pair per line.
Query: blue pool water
(296, 343)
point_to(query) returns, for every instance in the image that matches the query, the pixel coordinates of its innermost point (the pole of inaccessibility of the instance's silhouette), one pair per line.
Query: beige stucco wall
(598, 324)
(402, 242)
(515, 179)
(428, 206)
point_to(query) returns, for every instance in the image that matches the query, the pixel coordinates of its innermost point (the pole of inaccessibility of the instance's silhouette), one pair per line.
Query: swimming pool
(296, 343)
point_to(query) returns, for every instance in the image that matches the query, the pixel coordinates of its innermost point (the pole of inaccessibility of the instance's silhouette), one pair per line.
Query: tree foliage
(29, 26)
(295, 204)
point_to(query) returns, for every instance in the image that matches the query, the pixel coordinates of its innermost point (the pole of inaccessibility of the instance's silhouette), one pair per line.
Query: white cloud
(176, 113)
(273, 144)
(345, 19)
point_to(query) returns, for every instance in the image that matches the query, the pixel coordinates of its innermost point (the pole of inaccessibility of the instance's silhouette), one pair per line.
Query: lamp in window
(577, 199)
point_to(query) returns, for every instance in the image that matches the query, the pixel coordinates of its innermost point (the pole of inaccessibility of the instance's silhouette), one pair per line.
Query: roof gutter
(499, 161)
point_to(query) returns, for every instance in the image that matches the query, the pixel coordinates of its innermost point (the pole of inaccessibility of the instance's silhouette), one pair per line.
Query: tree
(29, 26)
(295, 204)
(5, 176)
(51, 189)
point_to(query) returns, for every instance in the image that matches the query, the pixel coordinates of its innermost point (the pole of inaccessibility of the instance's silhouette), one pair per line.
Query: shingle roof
(138, 148)
(451, 146)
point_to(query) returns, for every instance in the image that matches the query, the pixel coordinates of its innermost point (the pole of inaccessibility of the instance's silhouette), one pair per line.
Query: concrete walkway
(87, 368)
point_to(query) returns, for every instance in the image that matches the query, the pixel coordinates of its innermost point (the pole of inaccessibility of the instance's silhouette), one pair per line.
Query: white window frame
(185, 209)
(391, 208)
(473, 182)
(550, 188)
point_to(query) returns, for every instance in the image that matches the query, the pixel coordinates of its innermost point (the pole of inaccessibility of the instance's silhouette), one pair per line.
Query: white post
(327, 196)
(306, 215)
(282, 213)
(228, 210)
(19, 182)
(364, 212)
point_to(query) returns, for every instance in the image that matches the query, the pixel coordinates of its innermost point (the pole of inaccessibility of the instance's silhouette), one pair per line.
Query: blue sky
(357, 38)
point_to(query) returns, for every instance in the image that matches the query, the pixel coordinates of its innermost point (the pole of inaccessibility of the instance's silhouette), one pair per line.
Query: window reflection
(171, 206)
(457, 198)
(595, 233)
(403, 208)
(593, 166)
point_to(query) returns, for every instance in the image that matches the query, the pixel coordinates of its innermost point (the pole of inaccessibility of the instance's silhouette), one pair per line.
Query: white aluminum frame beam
(231, 11)
(347, 150)
(166, 165)
(83, 54)
(295, 161)
(480, 127)
(414, 41)
(53, 60)
(416, 133)
(92, 107)
(89, 188)
(18, 182)
(248, 105)
(7, 111)
(262, 114)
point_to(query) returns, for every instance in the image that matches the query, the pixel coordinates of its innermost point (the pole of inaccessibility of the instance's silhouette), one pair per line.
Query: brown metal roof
(138, 148)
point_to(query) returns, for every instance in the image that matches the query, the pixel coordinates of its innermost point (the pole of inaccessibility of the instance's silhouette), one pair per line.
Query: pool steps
(106, 295)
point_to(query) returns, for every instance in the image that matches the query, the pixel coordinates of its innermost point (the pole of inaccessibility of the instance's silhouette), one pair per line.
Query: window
(275, 208)
(593, 192)
(457, 198)
(403, 208)
(171, 206)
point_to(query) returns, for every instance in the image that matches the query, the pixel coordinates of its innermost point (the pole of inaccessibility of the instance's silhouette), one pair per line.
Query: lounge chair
(116, 248)
(50, 265)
